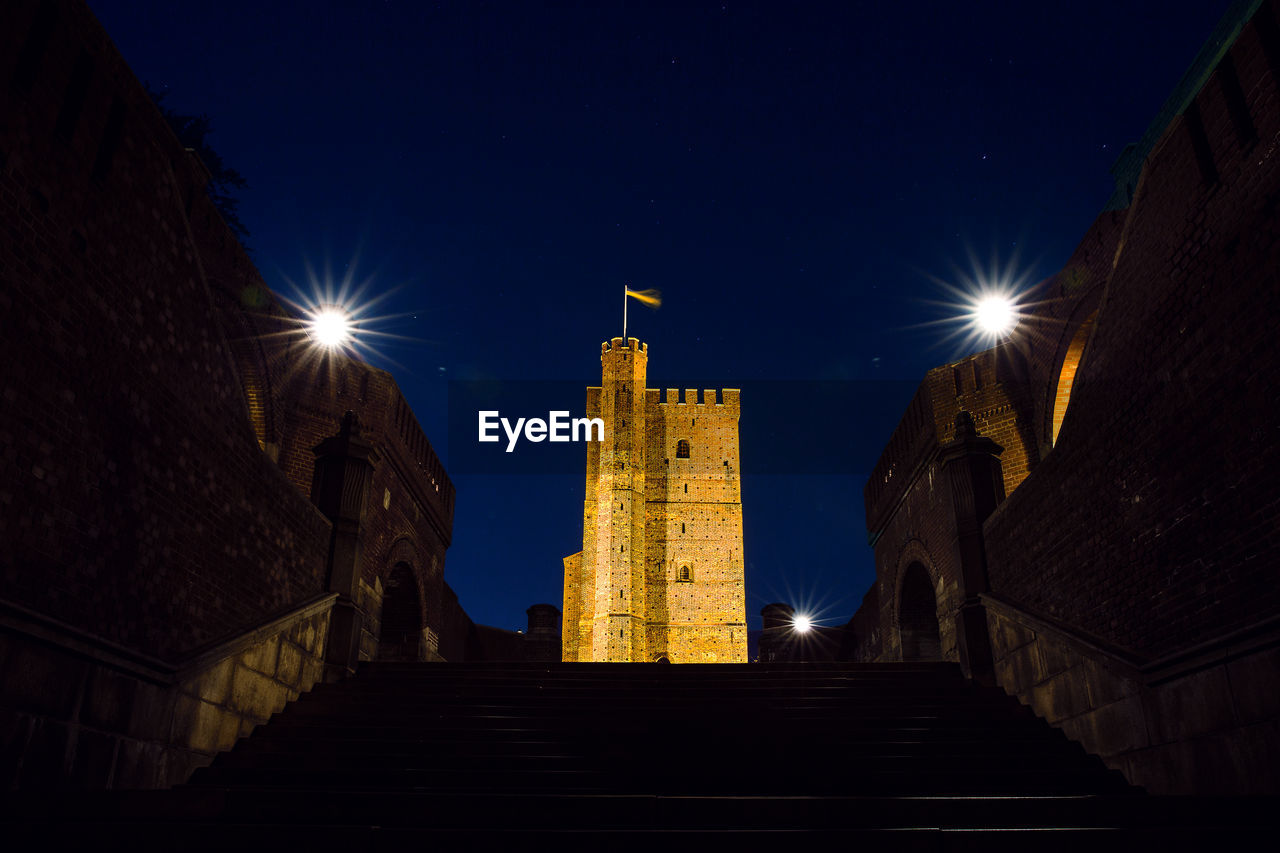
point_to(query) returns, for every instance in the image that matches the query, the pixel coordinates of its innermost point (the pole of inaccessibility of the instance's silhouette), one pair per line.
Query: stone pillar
(339, 487)
(971, 467)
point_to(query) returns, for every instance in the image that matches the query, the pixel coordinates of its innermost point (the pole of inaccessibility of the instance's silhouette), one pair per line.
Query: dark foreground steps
(631, 757)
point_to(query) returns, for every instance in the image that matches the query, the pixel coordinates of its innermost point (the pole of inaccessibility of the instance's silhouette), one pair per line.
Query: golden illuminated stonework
(660, 573)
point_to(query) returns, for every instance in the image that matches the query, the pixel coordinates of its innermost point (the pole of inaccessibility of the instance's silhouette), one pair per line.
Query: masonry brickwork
(660, 574)
(1126, 579)
(168, 577)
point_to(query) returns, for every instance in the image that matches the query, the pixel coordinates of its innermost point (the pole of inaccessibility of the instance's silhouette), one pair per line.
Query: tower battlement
(660, 574)
(632, 344)
(726, 398)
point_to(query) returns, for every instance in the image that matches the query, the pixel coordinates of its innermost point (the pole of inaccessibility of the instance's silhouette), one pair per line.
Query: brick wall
(1130, 573)
(155, 454)
(134, 509)
(693, 522)
(662, 531)
(1150, 524)
(409, 514)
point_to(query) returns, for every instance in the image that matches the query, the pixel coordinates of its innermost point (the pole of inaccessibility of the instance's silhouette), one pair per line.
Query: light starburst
(984, 305)
(337, 315)
(995, 315)
(334, 318)
(331, 327)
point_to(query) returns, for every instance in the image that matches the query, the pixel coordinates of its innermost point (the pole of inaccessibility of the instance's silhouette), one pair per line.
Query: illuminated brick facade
(660, 574)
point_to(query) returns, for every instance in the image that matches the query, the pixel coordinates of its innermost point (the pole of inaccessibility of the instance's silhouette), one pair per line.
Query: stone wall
(82, 713)
(1207, 721)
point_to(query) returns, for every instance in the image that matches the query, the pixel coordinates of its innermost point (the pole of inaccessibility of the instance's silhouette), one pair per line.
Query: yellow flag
(652, 298)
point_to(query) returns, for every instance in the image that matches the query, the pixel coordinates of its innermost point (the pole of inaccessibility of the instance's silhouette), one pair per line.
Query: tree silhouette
(193, 132)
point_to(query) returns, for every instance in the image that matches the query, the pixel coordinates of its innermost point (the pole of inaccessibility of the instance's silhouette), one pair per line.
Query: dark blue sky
(791, 180)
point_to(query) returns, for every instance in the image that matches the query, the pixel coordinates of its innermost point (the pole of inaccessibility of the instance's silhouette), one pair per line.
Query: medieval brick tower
(660, 573)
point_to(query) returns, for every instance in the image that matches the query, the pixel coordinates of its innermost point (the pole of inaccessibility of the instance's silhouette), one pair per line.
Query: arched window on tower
(685, 573)
(682, 449)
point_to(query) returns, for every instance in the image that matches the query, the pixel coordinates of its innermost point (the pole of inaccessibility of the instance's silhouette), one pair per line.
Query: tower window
(682, 449)
(685, 574)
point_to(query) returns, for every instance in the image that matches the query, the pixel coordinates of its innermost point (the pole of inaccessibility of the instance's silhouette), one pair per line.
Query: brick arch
(915, 563)
(1075, 313)
(401, 623)
(404, 551)
(255, 382)
(252, 368)
(1068, 367)
(402, 612)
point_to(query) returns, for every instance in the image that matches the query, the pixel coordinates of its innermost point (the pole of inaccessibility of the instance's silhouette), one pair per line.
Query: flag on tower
(652, 298)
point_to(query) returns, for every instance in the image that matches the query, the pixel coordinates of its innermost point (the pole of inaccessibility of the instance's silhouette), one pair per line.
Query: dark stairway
(887, 756)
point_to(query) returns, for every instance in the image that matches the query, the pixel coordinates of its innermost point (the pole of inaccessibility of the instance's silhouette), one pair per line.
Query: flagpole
(624, 315)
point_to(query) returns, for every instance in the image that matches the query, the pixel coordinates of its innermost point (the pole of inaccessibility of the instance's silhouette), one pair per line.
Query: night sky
(797, 183)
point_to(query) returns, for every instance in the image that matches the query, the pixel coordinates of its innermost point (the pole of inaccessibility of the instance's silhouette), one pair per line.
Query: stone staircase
(482, 756)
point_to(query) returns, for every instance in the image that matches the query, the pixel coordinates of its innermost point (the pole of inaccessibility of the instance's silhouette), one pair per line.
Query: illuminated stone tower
(660, 574)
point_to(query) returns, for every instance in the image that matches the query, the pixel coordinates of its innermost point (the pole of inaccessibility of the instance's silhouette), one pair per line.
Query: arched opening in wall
(256, 398)
(918, 616)
(401, 634)
(1067, 375)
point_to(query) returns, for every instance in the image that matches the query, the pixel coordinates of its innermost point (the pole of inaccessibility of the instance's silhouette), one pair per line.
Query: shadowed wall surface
(167, 583)
(1128, 580)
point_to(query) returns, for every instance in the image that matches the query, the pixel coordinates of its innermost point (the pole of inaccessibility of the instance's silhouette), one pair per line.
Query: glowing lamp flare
(331, 327)
(801, 624)
(995, 315)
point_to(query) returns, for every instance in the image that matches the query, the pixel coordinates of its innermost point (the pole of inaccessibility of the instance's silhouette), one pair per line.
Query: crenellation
(673, 568)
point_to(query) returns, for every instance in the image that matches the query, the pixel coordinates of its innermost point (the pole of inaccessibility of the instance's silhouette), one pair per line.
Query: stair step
(903, 760)
(445, 810)
(901, 757)
(445, 743)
